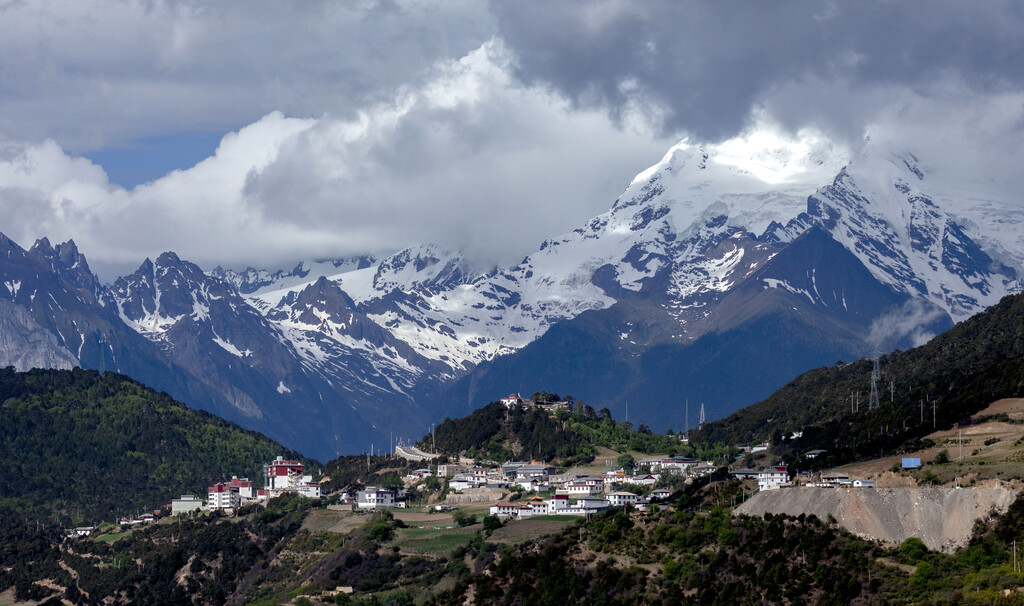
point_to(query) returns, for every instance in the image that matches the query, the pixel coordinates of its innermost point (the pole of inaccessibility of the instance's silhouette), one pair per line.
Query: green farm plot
(110, 537)
(519, 531)
(339, 522)
(430, 540)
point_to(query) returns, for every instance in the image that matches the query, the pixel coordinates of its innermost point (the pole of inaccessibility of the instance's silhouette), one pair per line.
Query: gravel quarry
(941, 517)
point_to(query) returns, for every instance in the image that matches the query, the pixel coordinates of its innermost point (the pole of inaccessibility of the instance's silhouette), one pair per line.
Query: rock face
(941, 517)
(25, 345)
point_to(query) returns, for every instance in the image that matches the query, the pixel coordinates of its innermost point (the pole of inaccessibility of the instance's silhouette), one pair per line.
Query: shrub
(462, 518)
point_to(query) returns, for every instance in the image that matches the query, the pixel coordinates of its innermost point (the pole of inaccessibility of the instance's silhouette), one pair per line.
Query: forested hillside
(962, 371)
(497, 433)
(90, 447)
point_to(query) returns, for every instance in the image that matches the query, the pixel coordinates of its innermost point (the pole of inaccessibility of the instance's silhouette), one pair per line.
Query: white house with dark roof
(660, 494)
(583, 487)
(619, 498)
(772, 478)
(373, 497)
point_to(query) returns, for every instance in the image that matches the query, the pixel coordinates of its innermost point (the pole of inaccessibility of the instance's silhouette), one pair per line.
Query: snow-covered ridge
(705, 217)
(667, 220)
(882, 209)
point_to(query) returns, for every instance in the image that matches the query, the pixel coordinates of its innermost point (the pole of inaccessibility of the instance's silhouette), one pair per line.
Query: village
(515, 490)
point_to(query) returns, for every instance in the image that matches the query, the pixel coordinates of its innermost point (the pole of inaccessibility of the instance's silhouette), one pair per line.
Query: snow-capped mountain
(685, 232)
(312, 371)
(882, 211)
(718, 274)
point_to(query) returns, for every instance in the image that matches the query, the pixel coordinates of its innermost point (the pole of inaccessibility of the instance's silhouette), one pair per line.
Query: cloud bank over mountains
(371, 126)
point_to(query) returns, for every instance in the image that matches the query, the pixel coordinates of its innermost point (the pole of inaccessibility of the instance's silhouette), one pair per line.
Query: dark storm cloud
(709, 63)
(92, 73)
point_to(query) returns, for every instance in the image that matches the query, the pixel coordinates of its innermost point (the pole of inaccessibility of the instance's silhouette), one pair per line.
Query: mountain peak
(42, 246)
(168, 259)
(420, 266)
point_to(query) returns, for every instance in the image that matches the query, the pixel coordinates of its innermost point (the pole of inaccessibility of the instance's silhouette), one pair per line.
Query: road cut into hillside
(941, 517)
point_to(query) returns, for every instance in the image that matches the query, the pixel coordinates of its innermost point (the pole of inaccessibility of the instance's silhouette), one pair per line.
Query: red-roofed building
(512, 399)
(505, 510)
(283, 476)
(244, 486)
(222, 496)
(276, 474)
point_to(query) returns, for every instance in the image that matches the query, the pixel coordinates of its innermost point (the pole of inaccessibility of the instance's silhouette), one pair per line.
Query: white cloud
(472, 158)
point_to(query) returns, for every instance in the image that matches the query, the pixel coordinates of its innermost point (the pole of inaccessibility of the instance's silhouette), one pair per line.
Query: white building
(223, 496)
(244, 485)
(283, 476)
(583, 487)
(660, 494)
(772, 478)
(618, 499)
(505, 510)
(185, 504)
(646, 480)
(559, 502)
(586, 505)
(512, 400)
(461, 483)
(375, 498)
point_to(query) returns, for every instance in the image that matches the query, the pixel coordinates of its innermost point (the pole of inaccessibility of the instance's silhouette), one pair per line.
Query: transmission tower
(873, 403)
(703, 419)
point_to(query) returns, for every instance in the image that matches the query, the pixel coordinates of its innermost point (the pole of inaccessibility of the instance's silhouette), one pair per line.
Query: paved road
(412, 453)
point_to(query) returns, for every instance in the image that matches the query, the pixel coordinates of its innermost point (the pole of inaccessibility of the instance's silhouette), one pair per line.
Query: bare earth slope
(941, 517)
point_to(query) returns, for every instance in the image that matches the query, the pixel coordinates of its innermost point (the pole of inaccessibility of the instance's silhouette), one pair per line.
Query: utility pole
(892, 391)
(960, 441)
(933, 413)
(875, 374)
(686, 425)
(922, 411)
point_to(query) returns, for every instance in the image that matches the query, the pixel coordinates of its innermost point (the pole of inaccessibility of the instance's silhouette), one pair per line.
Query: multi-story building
(618, 499)
(375, 498)
(223, 496)
(283, 476)
(244, 486)
(582, 487)
(772, 478)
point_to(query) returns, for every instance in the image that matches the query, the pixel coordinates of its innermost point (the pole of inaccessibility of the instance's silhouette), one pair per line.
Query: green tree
(492, 523)
(626, 462)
